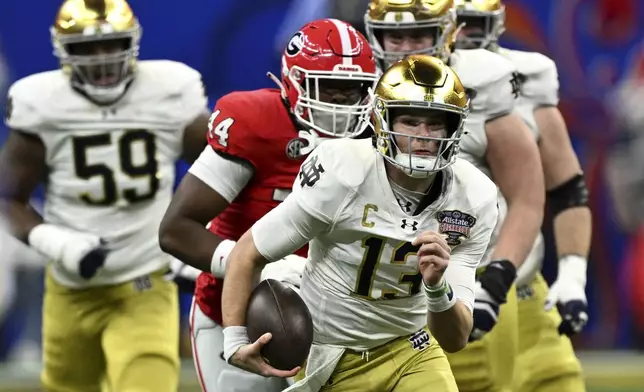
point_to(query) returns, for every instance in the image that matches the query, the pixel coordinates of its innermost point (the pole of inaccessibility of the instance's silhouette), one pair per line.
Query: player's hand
(249, 358)
(491, 291)
(433, 256)
(183, 275)
(82, 254)
(568, 293)
(288, 270)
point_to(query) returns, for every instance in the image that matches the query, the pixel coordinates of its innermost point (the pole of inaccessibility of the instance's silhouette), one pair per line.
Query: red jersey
(255, 128)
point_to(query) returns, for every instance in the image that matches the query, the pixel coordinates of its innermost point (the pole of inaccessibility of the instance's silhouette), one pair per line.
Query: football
(276, 308)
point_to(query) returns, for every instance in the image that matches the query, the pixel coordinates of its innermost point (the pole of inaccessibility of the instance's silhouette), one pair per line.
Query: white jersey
(362, 283)
(491, 80)
(111, 169)
(539, 87)
(539, 84)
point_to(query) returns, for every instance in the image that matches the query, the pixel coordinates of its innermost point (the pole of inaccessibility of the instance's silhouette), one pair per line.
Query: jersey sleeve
(543, 88)
(22, 112)
(497, 98)
(310, 209)
(231, 134)
(194, 101)
(465, 258)
(226, 177)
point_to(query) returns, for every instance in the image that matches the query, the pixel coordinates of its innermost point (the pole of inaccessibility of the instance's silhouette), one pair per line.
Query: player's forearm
(452, 327)
(243, 267)
(21, 217)
(572, 230)
(189, 241)
(519, 230)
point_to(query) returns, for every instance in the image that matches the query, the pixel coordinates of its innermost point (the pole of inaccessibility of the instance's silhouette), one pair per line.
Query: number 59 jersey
(362, 282)
(111, 168)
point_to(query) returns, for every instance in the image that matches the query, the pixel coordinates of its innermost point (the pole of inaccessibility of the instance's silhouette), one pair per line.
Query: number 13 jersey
(362, 282)
(111, 168)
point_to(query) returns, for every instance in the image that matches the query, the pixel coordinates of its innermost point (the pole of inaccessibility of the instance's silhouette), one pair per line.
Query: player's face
(408, 40)
(341, 92)
(420, 124)
(98, 65)
(474, 28)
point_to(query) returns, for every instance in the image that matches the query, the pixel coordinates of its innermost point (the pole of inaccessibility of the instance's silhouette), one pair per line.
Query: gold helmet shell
(416, 83)
(486, 16)
(95, 23)
(436, 16)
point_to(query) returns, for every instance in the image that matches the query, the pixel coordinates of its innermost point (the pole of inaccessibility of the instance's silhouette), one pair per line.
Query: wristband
(220, 258)
(234, 338)
(440, 296)
(573, 267)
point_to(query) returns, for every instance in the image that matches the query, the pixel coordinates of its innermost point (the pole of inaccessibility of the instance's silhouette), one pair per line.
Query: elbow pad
(571, 194)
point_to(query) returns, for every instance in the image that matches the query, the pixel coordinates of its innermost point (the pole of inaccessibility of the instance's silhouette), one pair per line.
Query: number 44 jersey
(111, 168)
(362, 282)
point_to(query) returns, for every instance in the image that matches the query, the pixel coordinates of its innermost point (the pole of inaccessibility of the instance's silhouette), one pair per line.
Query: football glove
(288, 270)
(491, 292)
(82, 254)
(568, 293)
(183, 275)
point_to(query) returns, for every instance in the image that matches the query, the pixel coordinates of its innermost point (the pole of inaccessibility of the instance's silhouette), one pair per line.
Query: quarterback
(546, 358)
(248, 168)
(103, 133)
(396, 228)
(497, 142)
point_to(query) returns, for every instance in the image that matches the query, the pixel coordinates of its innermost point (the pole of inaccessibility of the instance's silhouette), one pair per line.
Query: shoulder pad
(540, 81)
(478, 68)
(528, 63)
(349, 159)
(157, 78)
(237, 125)
(473, 184)
(33, 101)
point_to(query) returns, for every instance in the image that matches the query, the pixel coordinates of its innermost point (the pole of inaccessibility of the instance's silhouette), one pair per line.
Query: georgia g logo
(295, 44)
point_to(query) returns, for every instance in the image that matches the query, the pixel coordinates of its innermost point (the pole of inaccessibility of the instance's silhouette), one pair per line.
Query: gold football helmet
(414, 85)
(484, 22)
(97, 42)
(436, 17)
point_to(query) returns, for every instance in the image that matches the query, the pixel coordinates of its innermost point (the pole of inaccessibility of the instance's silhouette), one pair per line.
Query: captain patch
(455, 224)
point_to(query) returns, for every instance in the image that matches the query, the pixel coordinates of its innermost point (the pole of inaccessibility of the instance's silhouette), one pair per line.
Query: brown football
(276, 308)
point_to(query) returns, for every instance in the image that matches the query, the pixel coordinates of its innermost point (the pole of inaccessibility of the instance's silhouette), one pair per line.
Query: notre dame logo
(517, 82)
(295, 44)
(311, 172)
(8, 109)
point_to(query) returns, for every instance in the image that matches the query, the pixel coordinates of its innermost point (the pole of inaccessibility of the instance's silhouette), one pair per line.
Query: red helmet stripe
(345, 39)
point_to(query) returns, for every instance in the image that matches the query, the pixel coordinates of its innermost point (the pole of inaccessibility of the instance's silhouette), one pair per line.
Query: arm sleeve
(308, 211)
(225, 176)
(465, 258)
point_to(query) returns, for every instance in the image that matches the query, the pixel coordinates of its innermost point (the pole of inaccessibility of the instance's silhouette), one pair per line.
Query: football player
(384, 218)
(103, 133)
(253, 156)
(546, 358)
(499, 144)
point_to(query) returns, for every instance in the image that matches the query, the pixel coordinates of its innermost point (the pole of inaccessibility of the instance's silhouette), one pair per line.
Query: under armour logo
(405, 205)
(420, 340)
(413, 225)
(311, 171)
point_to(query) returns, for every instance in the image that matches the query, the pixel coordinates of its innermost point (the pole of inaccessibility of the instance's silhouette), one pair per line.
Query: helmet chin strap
(313, 140)
(278, 83)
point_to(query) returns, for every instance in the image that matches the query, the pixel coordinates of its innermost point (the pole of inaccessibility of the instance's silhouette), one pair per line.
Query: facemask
(339, 122)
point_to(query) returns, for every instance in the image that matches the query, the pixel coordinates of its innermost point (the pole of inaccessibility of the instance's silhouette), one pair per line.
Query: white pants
(215, 375)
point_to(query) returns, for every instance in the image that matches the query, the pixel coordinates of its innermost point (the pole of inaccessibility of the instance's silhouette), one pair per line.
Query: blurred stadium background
(597, 45)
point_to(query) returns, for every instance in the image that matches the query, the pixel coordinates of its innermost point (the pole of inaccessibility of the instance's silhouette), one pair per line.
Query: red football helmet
(327, 70)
